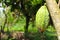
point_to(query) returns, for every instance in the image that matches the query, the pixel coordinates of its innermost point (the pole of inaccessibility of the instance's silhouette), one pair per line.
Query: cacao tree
(27, 7)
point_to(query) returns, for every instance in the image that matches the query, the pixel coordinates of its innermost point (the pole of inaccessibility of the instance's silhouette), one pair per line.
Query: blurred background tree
(18, 10)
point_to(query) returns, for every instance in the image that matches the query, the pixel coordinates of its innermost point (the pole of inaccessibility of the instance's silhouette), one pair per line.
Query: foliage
(57, 1)
(27, 3)
(31, 6)
(35, 2)
(2, 16)
(10, 17)
(0, 0)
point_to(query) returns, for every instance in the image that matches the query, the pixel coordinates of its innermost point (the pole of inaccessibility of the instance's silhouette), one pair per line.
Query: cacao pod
(42, 18)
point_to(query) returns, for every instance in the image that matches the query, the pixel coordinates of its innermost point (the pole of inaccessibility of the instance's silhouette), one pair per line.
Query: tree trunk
(55, 15)
(26, 27)
(59, 3)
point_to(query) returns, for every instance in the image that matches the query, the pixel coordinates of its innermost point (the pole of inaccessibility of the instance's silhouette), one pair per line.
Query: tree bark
(55, 15)
(59, 3)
